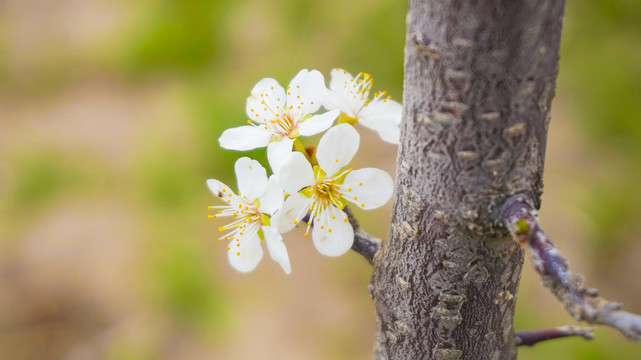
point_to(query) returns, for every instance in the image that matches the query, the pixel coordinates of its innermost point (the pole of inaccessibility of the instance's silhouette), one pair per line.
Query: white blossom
(324, 190)
(258, 198)
(278, 116)
(351, 95)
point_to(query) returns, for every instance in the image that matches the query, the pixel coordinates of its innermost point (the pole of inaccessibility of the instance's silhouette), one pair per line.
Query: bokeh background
(110, 111)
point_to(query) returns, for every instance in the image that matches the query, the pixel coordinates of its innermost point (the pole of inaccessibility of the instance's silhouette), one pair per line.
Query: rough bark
(479, 80)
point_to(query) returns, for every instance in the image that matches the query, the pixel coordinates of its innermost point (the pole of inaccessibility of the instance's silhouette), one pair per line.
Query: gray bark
(479, 80)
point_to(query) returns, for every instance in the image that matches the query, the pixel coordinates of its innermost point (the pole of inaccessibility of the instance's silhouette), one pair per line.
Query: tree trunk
(479, 80)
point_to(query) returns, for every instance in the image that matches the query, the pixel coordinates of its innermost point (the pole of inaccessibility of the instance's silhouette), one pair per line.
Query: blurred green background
(110, 111)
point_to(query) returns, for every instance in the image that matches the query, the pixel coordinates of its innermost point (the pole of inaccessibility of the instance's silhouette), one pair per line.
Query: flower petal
(245, 253)
(340, 79)
(264, 84)
(224, 192)
(272, 198)
(276, 248)
(317, 123)
(267, 97)
(337, 148)
(339, 97)
(334, 100)
(296, 173)
(293, 210)
(245, 138)
(257, 112)
(251, 178)
(278, 152)
(384, 117)
(368, 188)
(386, 129)
(332, 235)
(305, 91)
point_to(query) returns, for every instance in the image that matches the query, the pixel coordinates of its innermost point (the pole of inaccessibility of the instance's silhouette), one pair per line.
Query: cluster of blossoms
(310, 186)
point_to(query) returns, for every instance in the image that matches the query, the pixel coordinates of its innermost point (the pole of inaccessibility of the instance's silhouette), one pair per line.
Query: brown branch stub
(583, 303)
(531, 337)
(364, 243)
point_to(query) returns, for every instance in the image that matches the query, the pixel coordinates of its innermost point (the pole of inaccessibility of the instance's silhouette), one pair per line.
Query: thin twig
(531, 337)
(364, 243)
(582, 303)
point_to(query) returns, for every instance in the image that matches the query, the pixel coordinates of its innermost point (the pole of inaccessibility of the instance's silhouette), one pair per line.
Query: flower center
(246, 219)
(283, 125)
(327, 192)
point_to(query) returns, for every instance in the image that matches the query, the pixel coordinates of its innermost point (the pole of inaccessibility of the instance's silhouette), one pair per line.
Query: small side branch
(581, 302)
(364, 243)
(531, 337)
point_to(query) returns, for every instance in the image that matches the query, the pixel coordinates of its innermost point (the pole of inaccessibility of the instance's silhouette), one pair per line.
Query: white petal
(386, 129)
(269, 91)
(276, 248)
(332, 235)
(293, 210)
(245, 253)
(245, 138)
(337, 148)
(336, 97)
(317, 123)
(224, 192)
(334, 100)
(257, 112)
(272, 198)
(296, 173)
(218, 188)
(384, 118)
(278, 152)
(368, 188)
(265, 85)
(340, 80)
(251, 178)
(305, 91)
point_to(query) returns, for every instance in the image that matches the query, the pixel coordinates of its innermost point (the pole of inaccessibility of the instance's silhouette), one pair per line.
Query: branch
(364, 243)
(531, 337)
(582, 303)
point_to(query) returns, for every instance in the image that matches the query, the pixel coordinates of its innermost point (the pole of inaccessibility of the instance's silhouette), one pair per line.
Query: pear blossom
(259, 198)
(324, 190)
(351, 96)
(278, 116)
